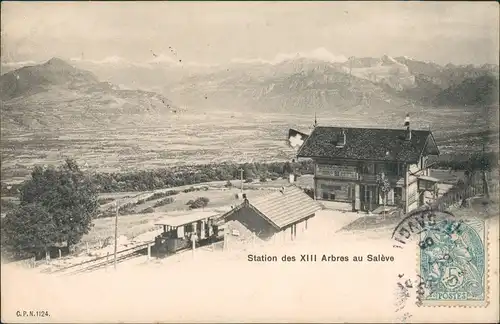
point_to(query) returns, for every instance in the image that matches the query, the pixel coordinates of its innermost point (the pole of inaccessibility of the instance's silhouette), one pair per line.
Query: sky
(219, 32)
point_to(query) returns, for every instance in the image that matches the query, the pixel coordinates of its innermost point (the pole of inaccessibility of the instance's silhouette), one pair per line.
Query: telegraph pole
(241, 177)
(116, 233)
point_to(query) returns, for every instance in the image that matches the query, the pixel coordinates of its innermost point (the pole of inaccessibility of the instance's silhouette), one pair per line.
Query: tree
(384, 187)
(56, 206)
(29, 229)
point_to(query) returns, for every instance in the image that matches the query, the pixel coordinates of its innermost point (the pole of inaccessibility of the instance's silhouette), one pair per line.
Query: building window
(393, 169)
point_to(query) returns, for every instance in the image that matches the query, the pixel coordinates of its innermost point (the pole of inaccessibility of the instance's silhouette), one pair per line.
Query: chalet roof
(282, 208)
(367, 144)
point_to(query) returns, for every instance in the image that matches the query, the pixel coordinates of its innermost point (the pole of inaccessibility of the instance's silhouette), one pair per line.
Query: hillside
(305, 85)
(293, 86)
(34, 79)
(481, 90)
(322, 88)
(56, 95)
(441, 85)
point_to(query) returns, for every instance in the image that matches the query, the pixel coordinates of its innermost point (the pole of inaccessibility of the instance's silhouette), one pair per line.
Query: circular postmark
(416, 222)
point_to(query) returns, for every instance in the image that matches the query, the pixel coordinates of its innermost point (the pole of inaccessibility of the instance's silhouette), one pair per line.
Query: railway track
(102, 262)
(108, 261)
(105, 263)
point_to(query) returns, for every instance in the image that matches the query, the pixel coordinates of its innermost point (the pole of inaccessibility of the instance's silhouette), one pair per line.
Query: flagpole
(241, 178)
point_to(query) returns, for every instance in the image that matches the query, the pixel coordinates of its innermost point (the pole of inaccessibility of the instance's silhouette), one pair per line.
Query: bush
(228, 184)
(158, 195)
(126, 209)
(104, 201)
(164, 202)
(248, 181)
(263, 179)
(200, 202)
(148, 210)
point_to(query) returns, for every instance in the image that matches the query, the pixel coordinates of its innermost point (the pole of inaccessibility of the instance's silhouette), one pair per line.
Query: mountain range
(299, 83)
(56, 95)
(55, 92)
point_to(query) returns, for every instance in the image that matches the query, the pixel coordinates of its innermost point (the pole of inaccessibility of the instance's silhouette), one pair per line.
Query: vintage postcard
(225, 162)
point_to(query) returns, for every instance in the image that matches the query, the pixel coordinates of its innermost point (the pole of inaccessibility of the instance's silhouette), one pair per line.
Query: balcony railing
(354, 176)
(351, 173)
(345, 175)
(368, 177)
(393, 178)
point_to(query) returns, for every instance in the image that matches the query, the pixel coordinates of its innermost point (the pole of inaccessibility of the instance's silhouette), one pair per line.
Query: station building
(349, 160)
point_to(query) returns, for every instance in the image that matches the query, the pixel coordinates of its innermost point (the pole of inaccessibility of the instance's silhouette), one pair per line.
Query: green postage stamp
(453, 263)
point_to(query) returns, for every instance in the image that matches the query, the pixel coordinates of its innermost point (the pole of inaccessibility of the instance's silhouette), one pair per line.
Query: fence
(459, 193)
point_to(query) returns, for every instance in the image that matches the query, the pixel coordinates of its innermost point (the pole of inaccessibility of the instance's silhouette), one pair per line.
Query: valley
(238, 113)
(187, 139)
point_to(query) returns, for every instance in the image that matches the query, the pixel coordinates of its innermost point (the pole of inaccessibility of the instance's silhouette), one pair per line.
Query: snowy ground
(225, 286)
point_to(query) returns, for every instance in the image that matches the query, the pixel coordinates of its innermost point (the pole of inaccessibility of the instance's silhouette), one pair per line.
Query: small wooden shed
(283, 213)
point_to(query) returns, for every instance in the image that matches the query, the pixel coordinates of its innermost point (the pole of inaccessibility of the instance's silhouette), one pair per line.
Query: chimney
(408, 129)
(342, 139)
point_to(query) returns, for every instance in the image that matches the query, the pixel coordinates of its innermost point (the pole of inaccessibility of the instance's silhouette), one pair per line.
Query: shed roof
(286, 207)
(180, 220)
(377, 144)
